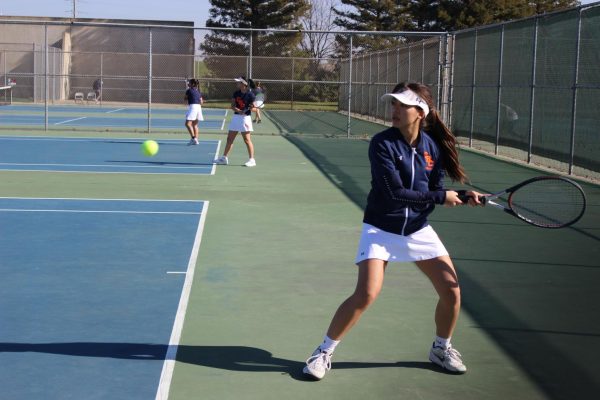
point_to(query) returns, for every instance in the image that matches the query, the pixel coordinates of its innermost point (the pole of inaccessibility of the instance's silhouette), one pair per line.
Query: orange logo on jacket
(429, 161)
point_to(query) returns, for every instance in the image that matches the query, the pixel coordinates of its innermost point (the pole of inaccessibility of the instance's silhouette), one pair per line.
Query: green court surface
(276, 260)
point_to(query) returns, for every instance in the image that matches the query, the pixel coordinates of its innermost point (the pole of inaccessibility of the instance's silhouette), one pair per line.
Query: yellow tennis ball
(149, 148)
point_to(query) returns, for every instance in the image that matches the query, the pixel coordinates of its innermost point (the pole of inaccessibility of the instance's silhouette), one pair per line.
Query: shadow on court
(533, 291)
(231, 358)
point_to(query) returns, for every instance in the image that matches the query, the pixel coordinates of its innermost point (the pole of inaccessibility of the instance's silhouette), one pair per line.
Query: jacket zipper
(412, 183)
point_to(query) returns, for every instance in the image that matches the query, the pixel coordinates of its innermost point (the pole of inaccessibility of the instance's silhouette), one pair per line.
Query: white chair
(91, 96)
(78, 97)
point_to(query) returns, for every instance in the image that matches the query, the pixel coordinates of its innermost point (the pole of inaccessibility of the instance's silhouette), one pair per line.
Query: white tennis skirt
(421, 245)
(194, 113)
(241, 123)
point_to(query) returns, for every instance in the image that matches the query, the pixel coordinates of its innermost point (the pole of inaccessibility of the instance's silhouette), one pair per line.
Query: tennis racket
(545, 201)
(259, 101)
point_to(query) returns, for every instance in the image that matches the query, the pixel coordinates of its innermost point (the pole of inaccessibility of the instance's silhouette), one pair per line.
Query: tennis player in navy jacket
(408, 165)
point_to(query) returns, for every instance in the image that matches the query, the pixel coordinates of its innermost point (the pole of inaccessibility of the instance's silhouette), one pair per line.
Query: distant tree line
(226, 51)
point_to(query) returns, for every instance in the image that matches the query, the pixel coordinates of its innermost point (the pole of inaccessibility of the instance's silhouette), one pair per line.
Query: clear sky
(177, 10)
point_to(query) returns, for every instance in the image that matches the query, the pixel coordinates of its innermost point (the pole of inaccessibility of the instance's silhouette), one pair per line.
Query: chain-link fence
(530, 90)
(527, 89)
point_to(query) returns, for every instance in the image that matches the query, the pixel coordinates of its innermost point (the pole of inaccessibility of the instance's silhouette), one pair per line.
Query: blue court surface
(107, 117)
(105, 155)
(94, 294)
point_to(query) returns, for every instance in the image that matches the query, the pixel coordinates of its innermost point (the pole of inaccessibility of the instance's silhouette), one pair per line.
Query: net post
(473, 82)
(575, 86)
(499, 100)
(348, 126)
(46, 88)
(149, 79)
(533, 84)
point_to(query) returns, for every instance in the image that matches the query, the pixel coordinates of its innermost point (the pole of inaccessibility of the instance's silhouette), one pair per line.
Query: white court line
(223, 124)
(95, 139)
(162, 393)
(113, 111)
(69, 120)
(97, 211)
(95, 199)
(105, 166)
(214, 167)
(177, 272)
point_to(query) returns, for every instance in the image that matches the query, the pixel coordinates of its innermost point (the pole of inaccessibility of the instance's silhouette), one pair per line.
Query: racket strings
(549, 202)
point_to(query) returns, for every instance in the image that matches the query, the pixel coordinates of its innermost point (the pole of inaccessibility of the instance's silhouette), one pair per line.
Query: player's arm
(234, 106)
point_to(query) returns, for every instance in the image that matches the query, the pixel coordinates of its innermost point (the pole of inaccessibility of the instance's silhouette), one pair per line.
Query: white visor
(241, 80)
(409, 98)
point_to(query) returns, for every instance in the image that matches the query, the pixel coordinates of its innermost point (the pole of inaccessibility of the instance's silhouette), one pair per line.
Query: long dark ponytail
(436, 128)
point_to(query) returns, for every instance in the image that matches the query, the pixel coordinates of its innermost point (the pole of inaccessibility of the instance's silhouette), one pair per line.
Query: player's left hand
(474, 198)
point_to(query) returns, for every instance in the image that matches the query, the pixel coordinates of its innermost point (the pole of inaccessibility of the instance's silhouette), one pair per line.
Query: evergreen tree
(245, 14)
(460, 14)
(373, 15)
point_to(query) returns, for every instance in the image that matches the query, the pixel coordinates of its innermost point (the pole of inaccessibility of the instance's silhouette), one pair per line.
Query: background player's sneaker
(449, 359)
(193, 142)
(222, 160)
(318, 364)
(251, 163)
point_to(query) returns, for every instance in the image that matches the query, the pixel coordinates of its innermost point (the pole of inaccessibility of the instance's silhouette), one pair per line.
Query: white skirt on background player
(194, 113)
(421, 245)
(241, 123)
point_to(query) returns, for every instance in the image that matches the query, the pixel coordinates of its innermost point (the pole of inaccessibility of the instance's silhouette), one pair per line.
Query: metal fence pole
(149, 79)
(397, 66)
(5, 68)
(250, 55)
(46, 86)
(348, 126)
(451, 84)
(293, 77)
(499, 104)
(441, 65)
(473, 82)
(423, 62)
(377, 87)
(101, 77)
(575, 85)
(409, 64)
(369, 87)
(533, 83)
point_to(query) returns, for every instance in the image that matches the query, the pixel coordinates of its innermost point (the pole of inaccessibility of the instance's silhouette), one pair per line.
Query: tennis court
(104, 117)
(79, 324)
(31, 153)
(275, 260)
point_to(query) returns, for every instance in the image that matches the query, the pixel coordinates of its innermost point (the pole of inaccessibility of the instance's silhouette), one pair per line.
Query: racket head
(548, 201)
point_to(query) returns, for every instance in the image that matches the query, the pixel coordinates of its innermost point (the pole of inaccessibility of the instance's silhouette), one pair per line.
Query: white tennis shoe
(318, 364)
(222, 161)
(449, 359)
(193, 142)
(251, 163)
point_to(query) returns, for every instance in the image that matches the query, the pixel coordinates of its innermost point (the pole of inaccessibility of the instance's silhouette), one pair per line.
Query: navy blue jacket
(406, 182)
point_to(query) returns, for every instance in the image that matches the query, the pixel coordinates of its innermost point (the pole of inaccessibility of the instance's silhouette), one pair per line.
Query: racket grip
(462, 195)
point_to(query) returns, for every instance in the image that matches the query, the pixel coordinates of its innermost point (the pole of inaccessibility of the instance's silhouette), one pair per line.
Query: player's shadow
(230, 358)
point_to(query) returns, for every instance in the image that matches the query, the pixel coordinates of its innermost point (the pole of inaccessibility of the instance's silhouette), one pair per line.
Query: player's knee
(364, 298)
(451, 295)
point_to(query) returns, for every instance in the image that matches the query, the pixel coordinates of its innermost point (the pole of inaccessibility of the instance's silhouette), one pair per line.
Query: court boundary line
(166, 376)
(15, 210)
(84, 138)
(214, 166)
(103, 166)
(69, 120)
(97, 199)
(114, 111)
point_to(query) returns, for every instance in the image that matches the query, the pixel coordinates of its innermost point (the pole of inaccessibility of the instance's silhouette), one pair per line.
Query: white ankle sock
(441, 342)
(328, 345)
